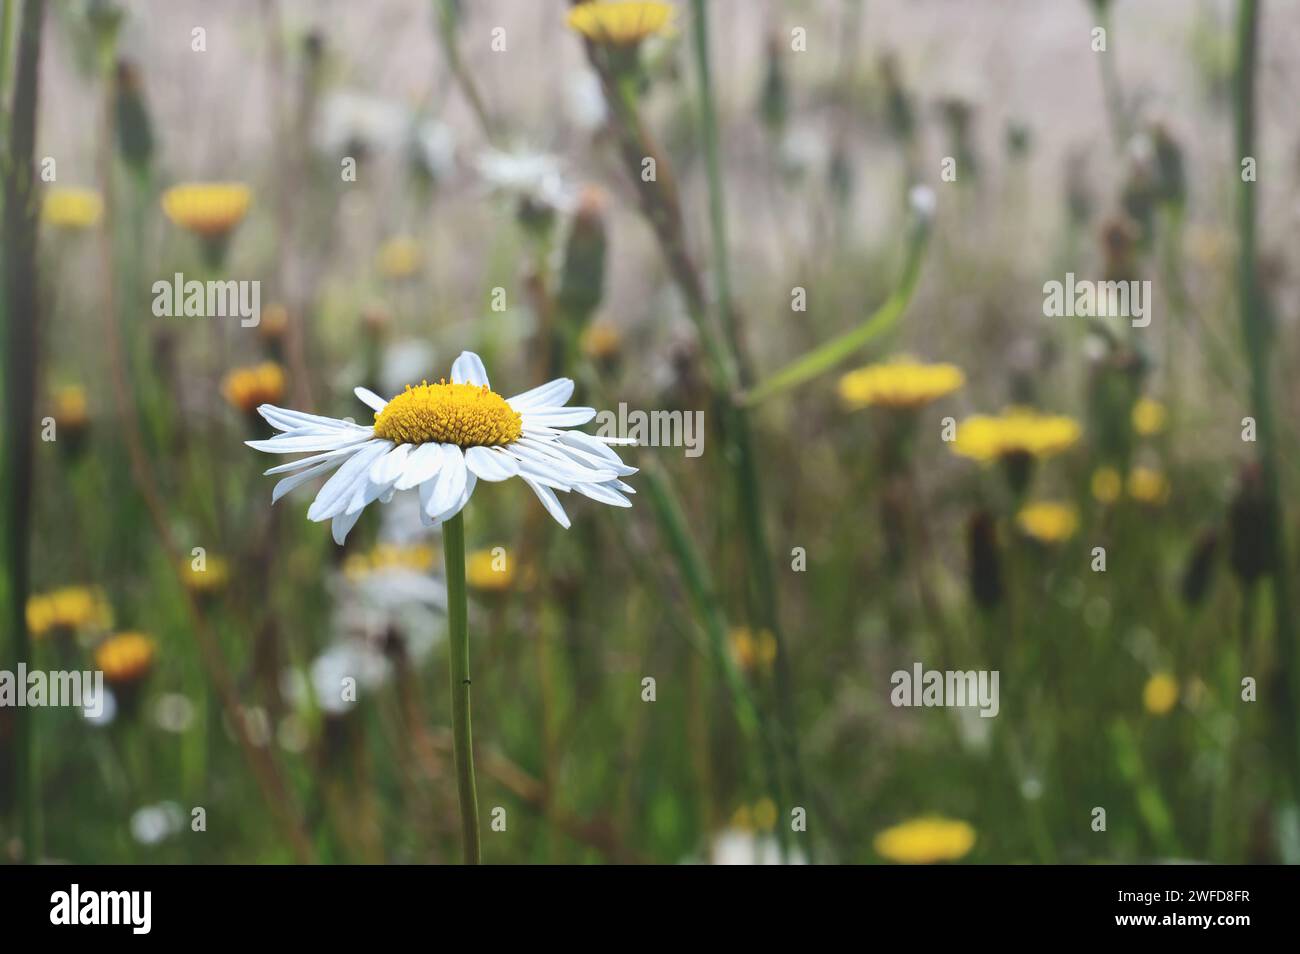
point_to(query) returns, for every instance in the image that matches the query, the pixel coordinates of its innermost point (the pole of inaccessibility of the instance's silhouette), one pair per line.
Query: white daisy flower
(439, 440)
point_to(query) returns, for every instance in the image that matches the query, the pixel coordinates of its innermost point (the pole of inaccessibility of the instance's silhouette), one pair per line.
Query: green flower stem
(717, 210)
(20, 348)
(453, 545)
(1256, 338)
(1114, 96)
(825, 356)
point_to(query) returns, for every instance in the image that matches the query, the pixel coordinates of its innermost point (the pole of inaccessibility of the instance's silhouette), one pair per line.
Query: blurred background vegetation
(833, 531)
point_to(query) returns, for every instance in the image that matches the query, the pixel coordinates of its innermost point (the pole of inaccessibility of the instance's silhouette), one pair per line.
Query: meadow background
(492, 209)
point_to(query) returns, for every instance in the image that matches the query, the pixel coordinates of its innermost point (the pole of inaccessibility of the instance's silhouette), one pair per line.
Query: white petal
(285, 444)
(606, 462)
(551, 394)
(468, 369)
(490, 464)
(284, 419)
(421, 464)
(449, 483)
(369, 397)
(586, 442)
(342, 524)
(604, 493)
(334, 496)
(550, 502)
(544, 475)
(470, 482)
(388, 468)
(307, 461)
(555, 458)
(295, 480)
(559, 416)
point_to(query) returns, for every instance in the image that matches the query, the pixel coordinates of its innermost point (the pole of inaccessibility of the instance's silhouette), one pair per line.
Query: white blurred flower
(351, 121)
(173, 712)
(735, 846)
(410, 359)
(333, 673)
(103, 714)
(803, 148)
(155, 823)
(527, 175)
(433, 145)
(923, 202)
(584, 101)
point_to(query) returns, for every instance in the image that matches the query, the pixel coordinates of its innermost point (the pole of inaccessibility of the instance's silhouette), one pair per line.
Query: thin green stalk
(6, 54)
(1114, 96)
(753, 724)
(717, 209)
(739, 430)
(453, 544)
(1256, 338)
(825, 356)
(23, 316)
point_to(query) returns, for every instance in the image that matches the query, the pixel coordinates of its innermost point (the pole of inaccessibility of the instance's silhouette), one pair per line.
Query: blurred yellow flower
(72, 208)
(399, 257)
(600, 341)
(417, 557)
(246, 388)
(752, 650)
(1148, 416)
(207, 581)
(125, 658)
(488, 571)
(901, 383)
(69, 608)
(70, 407)
(621, 22)
(209, 209)
(1017, 430)
(1107, 485)
(1160, 694)
(761, 816)
(1048, 522)
(275, 319)
(1148, 485)
(924, 841)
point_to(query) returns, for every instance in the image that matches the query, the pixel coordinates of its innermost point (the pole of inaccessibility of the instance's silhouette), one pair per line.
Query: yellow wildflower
(901, 383)
(923, 841)
(1147, 485)
(72, 208)
(209, 209)
(1048, 522)
(416, 557)
(70, 407)
(399, 257)
(207, 581)
(246, 388)
(1148, 416)
(1107, 485)
(70, 608)
(752, 650)
(125, 658)
(1160, 694)
(600, 341)
(275, 319)
(1016, 431)
(621, 22)
(489, 571)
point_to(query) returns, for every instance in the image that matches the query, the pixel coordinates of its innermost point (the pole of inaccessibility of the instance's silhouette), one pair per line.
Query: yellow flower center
(466, 415)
